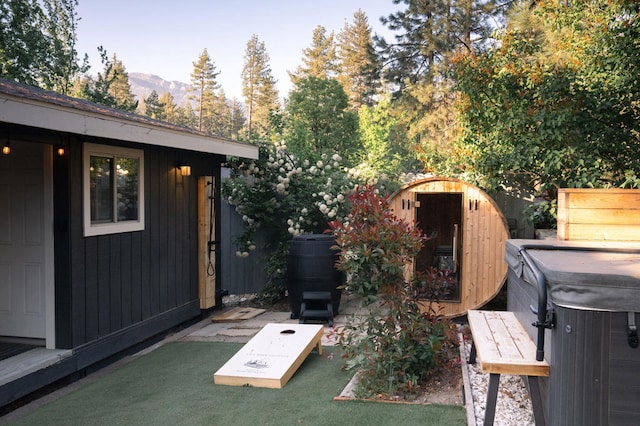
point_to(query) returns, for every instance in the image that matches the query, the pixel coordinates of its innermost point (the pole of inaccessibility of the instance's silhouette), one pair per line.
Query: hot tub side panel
(595, 374)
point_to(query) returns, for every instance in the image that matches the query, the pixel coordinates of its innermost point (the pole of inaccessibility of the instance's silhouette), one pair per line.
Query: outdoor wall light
(6, 149)
(60, 151)
(185, 169)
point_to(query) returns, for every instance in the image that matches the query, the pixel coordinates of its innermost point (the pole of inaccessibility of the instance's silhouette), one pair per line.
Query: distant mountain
(143, 84)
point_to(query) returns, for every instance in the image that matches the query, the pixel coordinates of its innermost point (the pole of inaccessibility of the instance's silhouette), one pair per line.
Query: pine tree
(186, 116)
(418, 64)
(359, 67)
(169, 109)
(237, 118)
(320, 59)
(97, 89)
(430, 32)
(203, 87)
(219, 116)
(258, 88)
(120, 89)
(153, 107)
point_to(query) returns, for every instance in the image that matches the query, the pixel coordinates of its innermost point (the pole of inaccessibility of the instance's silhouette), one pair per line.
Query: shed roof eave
(59, 118)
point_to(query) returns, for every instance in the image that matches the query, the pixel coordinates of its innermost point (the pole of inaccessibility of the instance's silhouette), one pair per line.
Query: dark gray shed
(108, 225)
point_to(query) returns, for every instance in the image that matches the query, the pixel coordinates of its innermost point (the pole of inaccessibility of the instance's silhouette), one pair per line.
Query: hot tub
(590, 338)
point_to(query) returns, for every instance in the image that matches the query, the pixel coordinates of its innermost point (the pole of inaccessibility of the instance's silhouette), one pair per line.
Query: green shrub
(396, 347)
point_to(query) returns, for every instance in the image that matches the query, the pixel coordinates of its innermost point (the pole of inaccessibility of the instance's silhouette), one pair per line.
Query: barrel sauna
(468, 233)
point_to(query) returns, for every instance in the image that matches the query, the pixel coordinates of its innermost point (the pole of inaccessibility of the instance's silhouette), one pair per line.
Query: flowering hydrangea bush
(287, 196)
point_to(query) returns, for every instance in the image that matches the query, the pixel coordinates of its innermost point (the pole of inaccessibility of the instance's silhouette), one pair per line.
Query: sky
(164, 38)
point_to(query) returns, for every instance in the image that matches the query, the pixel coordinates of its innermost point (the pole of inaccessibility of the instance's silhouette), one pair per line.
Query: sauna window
(113, 189)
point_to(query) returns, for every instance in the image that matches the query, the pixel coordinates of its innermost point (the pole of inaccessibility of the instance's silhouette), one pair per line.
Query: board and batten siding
(483, 239)
(122, 281)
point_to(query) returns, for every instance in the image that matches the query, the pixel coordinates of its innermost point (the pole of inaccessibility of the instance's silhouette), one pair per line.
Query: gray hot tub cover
(588, 280)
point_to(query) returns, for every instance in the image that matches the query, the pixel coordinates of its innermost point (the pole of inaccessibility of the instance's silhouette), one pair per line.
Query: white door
(23, 241)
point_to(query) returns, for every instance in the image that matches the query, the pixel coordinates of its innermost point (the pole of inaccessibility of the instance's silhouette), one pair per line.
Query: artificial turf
(173, 385)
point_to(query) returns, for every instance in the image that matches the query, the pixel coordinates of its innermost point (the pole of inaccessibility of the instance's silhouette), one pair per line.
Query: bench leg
(536, 400)
(492, 397)
(472, 354)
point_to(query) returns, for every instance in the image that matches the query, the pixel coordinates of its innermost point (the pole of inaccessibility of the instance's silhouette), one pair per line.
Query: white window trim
(90, 229)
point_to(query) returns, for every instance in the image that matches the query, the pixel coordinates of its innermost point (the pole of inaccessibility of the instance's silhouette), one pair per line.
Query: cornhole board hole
(272, 356)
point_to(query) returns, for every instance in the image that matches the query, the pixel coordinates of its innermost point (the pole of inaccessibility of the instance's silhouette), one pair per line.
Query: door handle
(455, 248)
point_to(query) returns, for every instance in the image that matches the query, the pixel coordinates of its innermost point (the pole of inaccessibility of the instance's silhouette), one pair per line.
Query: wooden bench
(502, 346)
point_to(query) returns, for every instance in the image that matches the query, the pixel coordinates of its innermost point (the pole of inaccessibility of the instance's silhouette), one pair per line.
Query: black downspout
(544, 319)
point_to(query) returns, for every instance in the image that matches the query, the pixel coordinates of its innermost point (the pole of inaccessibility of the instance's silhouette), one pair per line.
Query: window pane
(127, 188)
(101, 189)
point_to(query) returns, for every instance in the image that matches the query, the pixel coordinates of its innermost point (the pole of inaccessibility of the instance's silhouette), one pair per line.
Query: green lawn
(173, 385)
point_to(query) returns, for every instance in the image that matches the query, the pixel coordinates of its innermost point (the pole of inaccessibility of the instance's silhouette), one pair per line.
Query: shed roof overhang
(30, 106)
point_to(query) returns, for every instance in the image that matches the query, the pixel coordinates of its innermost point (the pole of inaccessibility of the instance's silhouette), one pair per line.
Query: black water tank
(311, 267)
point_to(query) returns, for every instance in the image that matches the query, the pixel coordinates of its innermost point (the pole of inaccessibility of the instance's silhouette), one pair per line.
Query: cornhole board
(272, 356)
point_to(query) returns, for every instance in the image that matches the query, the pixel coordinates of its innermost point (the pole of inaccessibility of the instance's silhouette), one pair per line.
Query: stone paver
(243, 331)
(211, 329)
(238, 332)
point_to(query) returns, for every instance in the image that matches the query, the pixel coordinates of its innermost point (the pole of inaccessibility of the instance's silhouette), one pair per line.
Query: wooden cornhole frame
(272, 356)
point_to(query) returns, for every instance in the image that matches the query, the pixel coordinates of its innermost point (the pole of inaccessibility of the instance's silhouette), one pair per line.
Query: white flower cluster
(281, 187)
(328, 201)
(365, 173)
(283, 166)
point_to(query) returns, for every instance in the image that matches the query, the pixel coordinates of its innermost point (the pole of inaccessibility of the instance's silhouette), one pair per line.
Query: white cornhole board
(272, 356)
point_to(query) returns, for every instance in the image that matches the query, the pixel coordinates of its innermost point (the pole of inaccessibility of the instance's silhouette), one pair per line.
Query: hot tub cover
(582, 275)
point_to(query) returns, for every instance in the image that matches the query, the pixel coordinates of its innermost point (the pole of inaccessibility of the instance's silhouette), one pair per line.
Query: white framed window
(113, 184)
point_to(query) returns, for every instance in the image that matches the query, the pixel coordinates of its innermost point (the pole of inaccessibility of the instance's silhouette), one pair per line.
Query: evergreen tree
(186, 116)
(430, 32)
(120, 89)
(359, 68)
(428, 35)
(237, 118)
(153, 107)
(97, 90)
(319, 60)
(268, 104)
(258, 88)
(202, 90)
(219, 116)
(169, 109)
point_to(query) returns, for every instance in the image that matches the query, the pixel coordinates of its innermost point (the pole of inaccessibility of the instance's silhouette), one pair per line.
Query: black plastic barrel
(311, 267)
